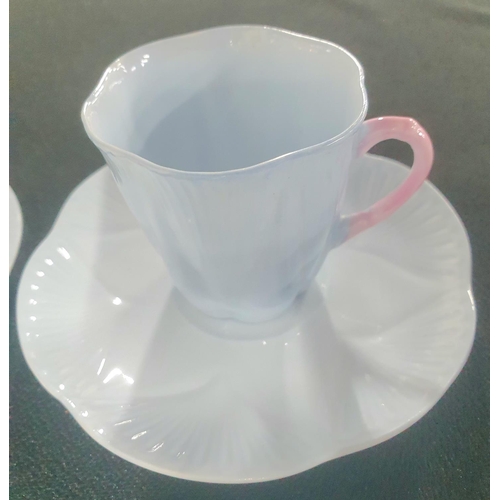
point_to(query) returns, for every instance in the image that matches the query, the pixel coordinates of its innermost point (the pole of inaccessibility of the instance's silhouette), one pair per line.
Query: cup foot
(283, 319)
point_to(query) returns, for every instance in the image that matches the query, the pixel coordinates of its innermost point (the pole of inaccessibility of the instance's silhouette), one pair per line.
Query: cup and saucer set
(243, 292)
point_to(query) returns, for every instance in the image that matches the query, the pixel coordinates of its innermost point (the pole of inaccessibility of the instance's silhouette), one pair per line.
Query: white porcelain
(382, 332)
(232, 147)
(15, 227)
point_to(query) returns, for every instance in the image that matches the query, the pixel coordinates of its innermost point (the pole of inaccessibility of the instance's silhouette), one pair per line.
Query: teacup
(232, 147)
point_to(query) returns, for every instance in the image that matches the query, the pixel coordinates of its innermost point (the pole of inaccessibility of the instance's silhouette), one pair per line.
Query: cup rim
(115, 150)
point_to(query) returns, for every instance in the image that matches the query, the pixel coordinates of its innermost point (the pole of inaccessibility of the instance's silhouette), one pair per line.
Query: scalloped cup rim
(113, 149)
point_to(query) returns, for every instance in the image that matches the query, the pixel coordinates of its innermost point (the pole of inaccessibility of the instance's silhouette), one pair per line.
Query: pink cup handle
(402, 129)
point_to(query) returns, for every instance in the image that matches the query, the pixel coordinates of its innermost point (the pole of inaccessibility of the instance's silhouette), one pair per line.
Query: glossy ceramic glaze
(380, 335)
(15, 227)
(232, 148)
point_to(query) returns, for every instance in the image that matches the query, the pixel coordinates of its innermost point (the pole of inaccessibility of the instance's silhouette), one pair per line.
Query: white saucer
(15, 227)
(369, 350)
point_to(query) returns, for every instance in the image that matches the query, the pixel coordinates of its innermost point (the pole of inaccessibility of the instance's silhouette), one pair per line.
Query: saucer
(366, 352)
(15, 227)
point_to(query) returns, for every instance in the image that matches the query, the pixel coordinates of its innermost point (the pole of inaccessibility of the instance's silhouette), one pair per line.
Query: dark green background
(423, 58)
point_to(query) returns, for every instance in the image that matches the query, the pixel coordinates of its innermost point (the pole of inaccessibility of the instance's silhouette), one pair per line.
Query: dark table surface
(423, 58)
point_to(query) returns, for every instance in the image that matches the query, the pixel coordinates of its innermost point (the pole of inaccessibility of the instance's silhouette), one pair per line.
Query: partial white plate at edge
(15, 227)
